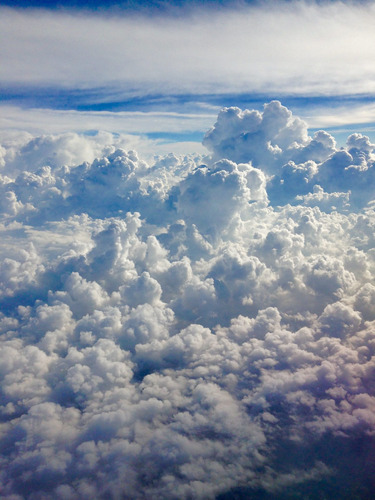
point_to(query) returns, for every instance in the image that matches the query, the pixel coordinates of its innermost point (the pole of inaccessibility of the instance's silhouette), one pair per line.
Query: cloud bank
(196, 327)
(279, 47)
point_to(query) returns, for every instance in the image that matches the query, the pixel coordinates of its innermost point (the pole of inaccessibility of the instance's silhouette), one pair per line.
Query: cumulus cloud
(190, 328)
(127, 129)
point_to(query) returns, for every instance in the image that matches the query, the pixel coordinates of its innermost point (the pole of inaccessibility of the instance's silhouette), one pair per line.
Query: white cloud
(298, 47)
(125, 129)
(323, 116)
(264, 138)
(167, 332)
(39, 121)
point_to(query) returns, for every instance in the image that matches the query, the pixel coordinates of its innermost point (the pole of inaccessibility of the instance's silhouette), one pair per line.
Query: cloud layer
(190, 328)
(294, 47)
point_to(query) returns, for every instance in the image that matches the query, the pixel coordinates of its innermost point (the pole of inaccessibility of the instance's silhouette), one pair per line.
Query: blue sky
(187, 59)
(121, 4)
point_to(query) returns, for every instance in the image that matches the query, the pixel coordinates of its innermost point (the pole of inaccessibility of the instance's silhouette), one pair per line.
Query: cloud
(59, 76)
(302, 47)
(211, 197)
(39, 121)
(189, 327)
(132, 130)
(302, 168)
(259, 137)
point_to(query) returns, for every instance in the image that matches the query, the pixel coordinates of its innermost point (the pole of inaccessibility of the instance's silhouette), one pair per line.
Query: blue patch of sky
(146, 5)
(107, 99)
(104, 99)
(143, 6)
(129, 5)
(162, 137)
(170, 137)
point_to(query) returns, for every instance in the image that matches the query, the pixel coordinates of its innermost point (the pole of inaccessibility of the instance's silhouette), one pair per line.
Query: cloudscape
(187, 288)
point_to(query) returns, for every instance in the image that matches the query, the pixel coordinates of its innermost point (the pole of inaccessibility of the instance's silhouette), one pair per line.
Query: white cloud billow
(192, 328)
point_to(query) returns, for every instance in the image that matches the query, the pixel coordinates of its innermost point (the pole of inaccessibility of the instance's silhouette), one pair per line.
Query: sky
(96, 65)
(187, 220)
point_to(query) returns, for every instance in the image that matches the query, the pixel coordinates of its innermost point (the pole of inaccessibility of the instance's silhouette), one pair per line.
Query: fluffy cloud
(210, 198)
(189, 329)
(259, 137)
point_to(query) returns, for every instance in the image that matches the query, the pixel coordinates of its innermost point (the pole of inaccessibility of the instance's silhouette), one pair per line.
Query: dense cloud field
(196, 328)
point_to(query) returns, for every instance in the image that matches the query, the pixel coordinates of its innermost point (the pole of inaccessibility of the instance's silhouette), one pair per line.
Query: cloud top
(191, 327)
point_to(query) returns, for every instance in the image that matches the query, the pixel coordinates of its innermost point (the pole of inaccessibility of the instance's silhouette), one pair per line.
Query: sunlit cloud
(188, 327)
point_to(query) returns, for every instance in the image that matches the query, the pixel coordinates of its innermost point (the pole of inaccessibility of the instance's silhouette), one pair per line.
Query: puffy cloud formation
(194, 328)
(302, 168)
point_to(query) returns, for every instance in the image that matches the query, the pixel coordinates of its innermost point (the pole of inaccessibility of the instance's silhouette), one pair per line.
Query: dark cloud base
(202, 327)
